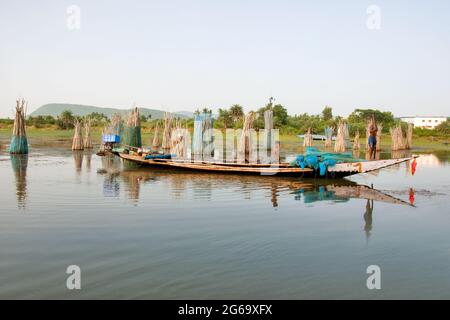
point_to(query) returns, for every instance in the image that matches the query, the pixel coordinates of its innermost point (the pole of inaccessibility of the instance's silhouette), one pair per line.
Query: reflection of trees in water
(19, 163)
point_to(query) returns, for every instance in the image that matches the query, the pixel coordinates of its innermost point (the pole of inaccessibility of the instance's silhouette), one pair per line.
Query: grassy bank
(51, 135)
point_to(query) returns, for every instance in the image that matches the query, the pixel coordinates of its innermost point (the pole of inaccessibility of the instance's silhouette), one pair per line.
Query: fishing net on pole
(132, 130)
(19, 141)
(203, 139)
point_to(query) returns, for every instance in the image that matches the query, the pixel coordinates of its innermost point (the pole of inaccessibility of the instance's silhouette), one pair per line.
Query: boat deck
(338, 171)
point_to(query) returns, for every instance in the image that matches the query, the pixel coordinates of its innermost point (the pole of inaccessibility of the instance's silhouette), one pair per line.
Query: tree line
(233, 118)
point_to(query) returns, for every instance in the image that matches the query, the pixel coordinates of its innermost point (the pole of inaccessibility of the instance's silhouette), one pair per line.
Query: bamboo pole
(244, 146)
(166, 142)
(77, 142)
(307, 140)
(329, 137)
(87, 134)
(339, 145)
(409, 136)
(380, 129)
(356, 144)
(156, 141)
(268, 126)
(398, 142)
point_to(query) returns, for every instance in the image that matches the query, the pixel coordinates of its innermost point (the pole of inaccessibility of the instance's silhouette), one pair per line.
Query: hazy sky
(182, 55)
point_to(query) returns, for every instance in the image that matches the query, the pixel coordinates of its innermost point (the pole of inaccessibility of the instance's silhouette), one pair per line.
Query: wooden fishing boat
(339, 170)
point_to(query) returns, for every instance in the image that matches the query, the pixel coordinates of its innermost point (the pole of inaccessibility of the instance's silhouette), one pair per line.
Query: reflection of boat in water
(339, 170)
(342, 193)
(203, 183)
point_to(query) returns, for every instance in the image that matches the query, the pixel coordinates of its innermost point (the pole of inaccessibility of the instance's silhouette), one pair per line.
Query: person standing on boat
(372, 139)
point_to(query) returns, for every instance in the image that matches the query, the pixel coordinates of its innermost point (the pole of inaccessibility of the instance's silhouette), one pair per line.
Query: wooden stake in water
(87, 134)
(77, 142)
(244, 146)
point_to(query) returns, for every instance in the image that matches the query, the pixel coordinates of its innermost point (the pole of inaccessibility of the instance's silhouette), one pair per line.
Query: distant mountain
(55, 109)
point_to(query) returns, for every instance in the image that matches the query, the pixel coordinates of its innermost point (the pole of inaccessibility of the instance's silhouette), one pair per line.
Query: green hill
(55, 109)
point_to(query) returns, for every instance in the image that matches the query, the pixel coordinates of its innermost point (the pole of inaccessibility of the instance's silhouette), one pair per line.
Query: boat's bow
(349, 168)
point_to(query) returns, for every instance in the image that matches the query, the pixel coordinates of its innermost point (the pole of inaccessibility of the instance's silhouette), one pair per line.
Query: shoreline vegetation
(50, 136)
(48, 130)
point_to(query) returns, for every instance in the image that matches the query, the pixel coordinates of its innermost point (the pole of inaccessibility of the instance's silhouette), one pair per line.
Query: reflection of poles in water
(78, 159)
(111, 163)
(202, 189)
(368, 219)
(178, 186)
(19, 163)
(396, 154)
(274, 192)
(111, 186)
(132, 182)
(88, 156)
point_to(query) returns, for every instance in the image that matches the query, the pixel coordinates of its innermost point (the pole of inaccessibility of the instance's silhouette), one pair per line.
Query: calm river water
(156, 234)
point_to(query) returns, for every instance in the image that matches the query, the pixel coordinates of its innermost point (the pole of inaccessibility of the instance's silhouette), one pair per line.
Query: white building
(429, 122)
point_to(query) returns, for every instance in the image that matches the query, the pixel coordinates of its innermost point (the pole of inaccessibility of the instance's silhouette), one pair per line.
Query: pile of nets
(318, 160)
(158, 156)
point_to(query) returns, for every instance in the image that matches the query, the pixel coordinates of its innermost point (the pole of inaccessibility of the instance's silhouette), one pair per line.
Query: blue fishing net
(318, 160)
(18, 145)
(158, 156)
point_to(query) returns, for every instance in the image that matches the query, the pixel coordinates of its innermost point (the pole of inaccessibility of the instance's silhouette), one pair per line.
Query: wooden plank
(231, 164)
(366, 166)
(211, 167)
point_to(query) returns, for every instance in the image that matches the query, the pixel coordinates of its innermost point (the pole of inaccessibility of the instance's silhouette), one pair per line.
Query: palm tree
(236, 112)
(225, 117)
(67, 119)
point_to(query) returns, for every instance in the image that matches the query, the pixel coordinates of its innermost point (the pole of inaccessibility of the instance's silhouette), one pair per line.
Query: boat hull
(338, 171)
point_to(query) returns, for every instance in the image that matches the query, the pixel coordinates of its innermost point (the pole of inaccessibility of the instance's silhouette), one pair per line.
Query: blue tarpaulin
(318, 160)
(111, 138)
